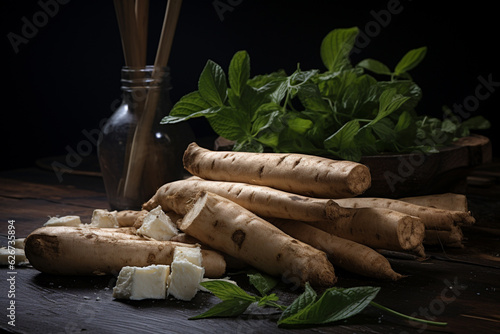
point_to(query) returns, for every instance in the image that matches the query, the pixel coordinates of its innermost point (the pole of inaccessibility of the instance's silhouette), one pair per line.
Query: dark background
(66, 78)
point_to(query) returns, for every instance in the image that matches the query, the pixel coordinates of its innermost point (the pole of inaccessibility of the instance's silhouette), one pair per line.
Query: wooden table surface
(458, 286)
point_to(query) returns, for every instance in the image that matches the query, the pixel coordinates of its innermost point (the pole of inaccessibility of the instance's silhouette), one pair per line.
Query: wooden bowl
(402, 175)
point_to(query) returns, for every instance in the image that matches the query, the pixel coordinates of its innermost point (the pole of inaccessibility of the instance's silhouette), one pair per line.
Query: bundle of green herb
(342, 112)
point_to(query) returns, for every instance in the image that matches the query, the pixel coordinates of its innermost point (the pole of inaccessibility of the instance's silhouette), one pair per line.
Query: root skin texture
(350, 255)
(296, 173)
(64, 250)
(231, 229)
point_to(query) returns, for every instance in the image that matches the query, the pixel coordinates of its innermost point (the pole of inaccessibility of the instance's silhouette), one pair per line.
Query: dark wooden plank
(459, 286)
(30, 214)
(460, 294)
(59, 193)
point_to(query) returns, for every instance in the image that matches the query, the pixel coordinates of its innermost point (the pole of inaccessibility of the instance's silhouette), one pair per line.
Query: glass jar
(136, 153)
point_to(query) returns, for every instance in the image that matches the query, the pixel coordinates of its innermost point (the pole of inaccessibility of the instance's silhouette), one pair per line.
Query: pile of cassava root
(289, 215)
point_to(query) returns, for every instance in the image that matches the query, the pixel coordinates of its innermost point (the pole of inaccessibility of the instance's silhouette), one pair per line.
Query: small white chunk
(12, 256)
(64, 221)
(157, 225)
(185, 279)
(19, 243)
(104, 218)
(190, 254)
(137, 283)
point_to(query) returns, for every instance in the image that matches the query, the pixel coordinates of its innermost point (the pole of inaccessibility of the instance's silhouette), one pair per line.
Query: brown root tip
(359, 179)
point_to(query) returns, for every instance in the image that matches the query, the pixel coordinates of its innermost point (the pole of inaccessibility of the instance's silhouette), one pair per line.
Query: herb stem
(435, 323)
(276, 305)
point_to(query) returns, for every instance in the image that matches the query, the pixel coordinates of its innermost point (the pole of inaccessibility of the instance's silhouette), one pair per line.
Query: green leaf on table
(227, 291)
(226, 308)
(334, 304)
(262, 282)
(268, 300)
(410, 60)
(212, 84)
(305, 299)
(336, 46)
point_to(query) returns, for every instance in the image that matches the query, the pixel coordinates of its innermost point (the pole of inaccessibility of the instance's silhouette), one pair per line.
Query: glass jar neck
(148, 77)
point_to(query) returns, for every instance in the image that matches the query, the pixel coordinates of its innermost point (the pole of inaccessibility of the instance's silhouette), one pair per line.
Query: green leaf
(298, 124)
(252, 99)
(212, 84)
(189, 104)
(248, 144)
(262, 80)
(384, 129)
(262, 282)
(311, 98)
(448, 126)
(343, 144)
(300, 77)
(226, 308)
(366, 141)
(336, 46)
(477, 123)
(291, 141)
(334, 304)
(405, 88)
(375, 66)
(203, 113)
(344, 137)
(268, 300)
(390, 101)
(410, 60)
(404, 121)
(279, 92)
(239, 71)
(227, 291)
(230, 124)
(305, 299)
